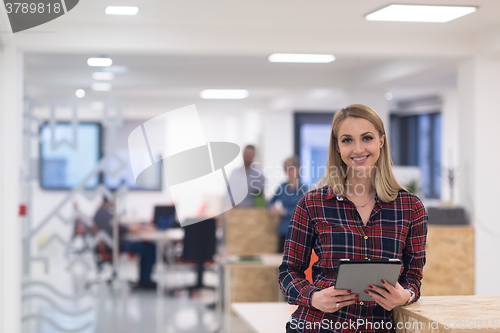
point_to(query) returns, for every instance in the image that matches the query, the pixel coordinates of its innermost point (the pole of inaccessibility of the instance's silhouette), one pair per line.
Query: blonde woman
(358, 211)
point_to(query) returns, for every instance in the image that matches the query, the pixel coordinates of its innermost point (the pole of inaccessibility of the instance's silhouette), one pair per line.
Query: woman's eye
(368, 138)
(346, 140)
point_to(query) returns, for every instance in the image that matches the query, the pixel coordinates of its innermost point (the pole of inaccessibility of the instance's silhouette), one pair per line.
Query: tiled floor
(61, 303)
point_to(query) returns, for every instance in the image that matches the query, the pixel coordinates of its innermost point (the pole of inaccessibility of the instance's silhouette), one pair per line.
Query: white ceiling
(174, 49)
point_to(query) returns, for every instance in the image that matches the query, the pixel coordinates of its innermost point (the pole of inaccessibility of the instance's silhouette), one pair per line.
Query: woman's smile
(361, 159)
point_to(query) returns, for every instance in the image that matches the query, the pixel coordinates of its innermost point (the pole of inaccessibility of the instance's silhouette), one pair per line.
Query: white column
(277, 134)
(450, 149)
(479, 107)
(10, 157)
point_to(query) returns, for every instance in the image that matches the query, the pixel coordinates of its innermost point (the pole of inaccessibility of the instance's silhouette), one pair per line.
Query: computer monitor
(164, 217)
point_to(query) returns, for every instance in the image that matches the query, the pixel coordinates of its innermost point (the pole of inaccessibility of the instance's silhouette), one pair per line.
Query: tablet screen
(357, 274)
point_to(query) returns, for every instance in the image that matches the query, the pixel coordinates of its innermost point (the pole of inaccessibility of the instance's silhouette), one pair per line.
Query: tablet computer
(357, 274)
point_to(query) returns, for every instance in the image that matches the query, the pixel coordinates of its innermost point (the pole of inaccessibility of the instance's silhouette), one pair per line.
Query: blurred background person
(286, 197)
(254, 177)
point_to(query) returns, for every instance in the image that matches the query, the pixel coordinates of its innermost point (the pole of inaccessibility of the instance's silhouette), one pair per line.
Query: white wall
(479, 107)
(10, 189)
(277, 145)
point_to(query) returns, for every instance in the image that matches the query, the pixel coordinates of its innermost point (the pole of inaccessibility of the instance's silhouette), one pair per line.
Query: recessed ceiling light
(389, 96)
(301, 58)
(103, 76)
(121, 10)
(80, 93)
(224, 94)
(420, 13)
(99, 62)
(101, 86)
(98, 106)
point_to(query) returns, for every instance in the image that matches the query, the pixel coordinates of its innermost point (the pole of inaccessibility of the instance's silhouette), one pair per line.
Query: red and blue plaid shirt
(332, 226)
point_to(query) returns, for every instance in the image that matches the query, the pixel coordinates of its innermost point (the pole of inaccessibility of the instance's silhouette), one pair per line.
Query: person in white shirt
(250, 171)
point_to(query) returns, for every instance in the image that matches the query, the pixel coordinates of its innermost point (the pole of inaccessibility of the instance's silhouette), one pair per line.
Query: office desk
(169, 235)
(264, 317)
(252, 281)
(436, 314)
(164, 240)
(450, 314)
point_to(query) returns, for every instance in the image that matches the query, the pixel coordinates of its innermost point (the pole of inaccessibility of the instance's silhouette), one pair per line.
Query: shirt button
(361, 303)
(366, 237)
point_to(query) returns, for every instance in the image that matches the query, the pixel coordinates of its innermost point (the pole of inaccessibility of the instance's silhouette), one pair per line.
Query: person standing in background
(286, 197)
(254, 179)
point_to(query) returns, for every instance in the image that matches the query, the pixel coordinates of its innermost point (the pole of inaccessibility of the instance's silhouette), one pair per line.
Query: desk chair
(164, 218)
(80, 231)
(103, 255)
(199, 247)
(308, 272)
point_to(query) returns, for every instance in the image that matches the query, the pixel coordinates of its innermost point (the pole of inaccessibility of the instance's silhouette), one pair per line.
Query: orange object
(308, 271)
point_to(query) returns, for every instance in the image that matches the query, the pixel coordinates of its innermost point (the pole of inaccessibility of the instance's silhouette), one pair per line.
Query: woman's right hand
(331, 299)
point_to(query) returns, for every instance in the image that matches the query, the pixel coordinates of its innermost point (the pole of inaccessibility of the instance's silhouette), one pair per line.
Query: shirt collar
(331, 194)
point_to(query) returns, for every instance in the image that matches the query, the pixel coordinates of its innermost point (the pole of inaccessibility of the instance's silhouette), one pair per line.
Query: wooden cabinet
(450, 261)
(253, 281)
(250, 231)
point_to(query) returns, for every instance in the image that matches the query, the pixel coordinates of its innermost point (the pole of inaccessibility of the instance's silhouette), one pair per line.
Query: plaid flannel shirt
(332, 226)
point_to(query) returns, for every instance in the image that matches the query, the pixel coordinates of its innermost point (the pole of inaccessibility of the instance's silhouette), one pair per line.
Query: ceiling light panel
(301, 58)
(99, 62)
(419, 13)
(224, 94)
(121, 10)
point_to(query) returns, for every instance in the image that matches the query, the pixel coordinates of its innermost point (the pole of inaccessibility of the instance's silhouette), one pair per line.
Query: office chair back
(199, 241)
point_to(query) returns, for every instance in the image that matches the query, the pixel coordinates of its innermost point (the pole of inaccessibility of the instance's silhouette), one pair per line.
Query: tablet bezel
(371, 272)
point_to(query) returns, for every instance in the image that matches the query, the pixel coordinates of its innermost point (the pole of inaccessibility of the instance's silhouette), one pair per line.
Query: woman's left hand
(392, 297)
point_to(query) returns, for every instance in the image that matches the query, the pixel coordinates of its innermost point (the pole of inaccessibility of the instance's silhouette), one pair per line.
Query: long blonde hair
(385, 182)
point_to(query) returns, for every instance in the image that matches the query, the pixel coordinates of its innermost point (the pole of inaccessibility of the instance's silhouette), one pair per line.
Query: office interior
(435, 85)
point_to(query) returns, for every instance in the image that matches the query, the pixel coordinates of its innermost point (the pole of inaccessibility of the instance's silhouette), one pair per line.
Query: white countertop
(265, 317)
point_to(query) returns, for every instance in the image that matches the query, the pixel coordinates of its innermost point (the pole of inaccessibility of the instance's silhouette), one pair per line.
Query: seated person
(146, 250)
